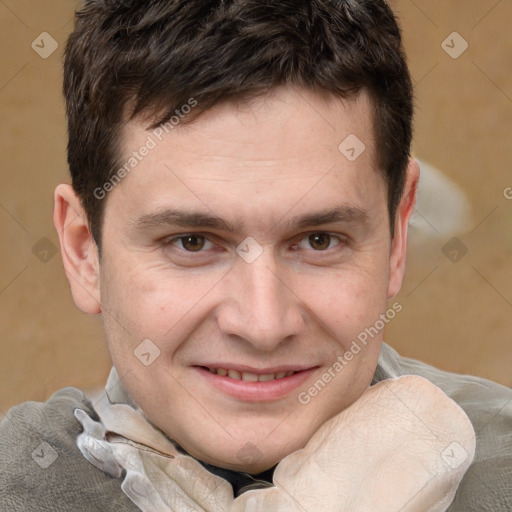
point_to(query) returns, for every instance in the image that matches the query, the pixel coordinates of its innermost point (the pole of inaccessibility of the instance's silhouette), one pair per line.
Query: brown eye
(319, 241)
(193, 243)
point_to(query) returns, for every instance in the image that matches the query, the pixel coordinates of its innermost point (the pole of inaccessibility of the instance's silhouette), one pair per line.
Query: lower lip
(256, 391)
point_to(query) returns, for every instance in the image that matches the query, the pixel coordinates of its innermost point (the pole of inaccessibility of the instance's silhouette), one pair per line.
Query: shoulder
(487, 484)
(41, 468)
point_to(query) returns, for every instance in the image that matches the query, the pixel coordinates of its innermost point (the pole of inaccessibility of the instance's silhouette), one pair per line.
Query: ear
(78, 248)
(399, 243)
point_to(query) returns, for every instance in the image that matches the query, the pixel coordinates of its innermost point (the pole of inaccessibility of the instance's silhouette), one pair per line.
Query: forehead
(284, 120)
(267, 151)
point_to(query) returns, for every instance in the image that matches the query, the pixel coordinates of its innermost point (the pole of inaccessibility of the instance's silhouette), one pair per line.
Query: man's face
(178, 269)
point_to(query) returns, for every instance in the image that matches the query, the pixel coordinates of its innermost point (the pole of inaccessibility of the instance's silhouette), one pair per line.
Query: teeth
(234, 374)
(266, 377)
(250, 377)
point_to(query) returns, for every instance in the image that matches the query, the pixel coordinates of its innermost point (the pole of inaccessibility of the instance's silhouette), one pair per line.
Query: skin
(256, 166)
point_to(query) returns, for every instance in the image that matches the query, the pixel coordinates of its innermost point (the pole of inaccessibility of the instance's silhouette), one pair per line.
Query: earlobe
(405, 209)
(78, 249)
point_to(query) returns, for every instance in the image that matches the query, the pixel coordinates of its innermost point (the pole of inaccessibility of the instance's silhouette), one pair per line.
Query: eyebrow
(192, 219)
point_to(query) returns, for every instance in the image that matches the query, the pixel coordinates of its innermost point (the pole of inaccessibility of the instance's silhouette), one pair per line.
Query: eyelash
(343, 241)
(170, 241)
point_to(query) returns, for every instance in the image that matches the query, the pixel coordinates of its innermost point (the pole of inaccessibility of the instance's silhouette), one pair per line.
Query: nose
(260, 306)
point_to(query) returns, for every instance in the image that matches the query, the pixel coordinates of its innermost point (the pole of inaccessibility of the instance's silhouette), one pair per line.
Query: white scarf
(402, 446)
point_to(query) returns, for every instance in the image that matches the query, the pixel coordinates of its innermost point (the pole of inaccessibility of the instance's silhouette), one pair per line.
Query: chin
(251, 459)
(251, 468)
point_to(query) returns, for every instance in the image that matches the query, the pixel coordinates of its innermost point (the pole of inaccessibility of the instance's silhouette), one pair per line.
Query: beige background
(457, 316)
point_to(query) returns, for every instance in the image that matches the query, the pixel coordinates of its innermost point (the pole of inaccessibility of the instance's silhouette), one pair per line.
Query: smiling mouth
(249, 377)
(248, 384)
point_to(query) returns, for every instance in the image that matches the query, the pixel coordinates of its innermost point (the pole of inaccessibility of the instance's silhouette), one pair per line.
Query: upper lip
(258, 371)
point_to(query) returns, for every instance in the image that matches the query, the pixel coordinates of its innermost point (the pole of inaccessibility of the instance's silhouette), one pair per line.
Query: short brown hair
(154, 55)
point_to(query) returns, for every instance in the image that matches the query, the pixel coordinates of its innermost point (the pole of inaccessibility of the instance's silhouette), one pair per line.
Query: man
(241, 191)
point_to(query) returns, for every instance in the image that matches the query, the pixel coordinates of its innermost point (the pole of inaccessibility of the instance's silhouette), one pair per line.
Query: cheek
(347, 300)
(158, 303)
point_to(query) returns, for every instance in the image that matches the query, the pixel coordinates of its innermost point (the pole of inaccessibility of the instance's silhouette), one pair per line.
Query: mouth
(255, 385)
(248, 376)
